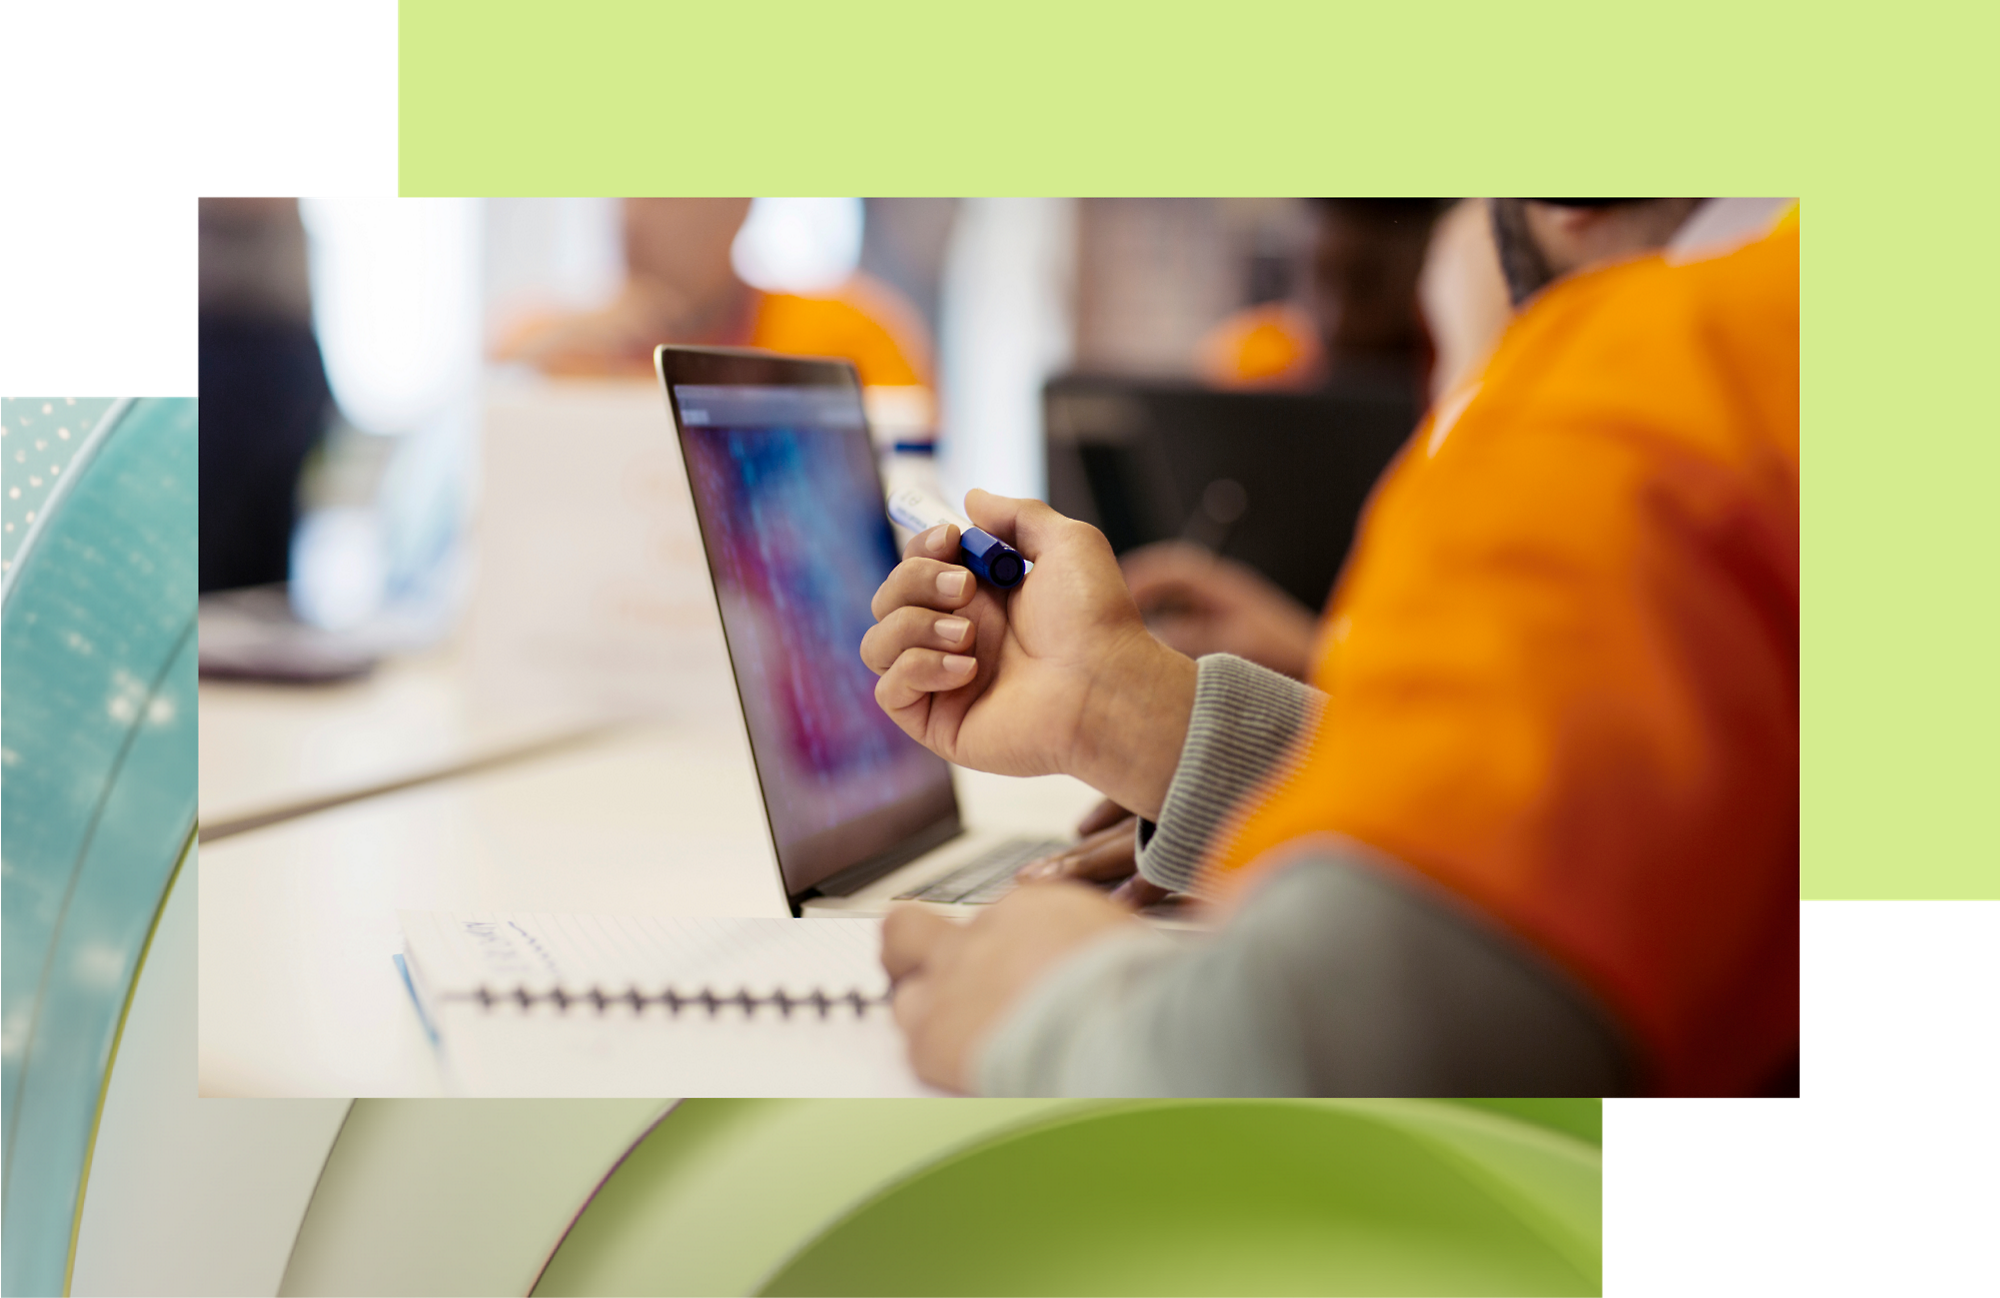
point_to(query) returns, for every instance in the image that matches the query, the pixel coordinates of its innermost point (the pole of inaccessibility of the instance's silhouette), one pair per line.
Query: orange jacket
(1563, 662)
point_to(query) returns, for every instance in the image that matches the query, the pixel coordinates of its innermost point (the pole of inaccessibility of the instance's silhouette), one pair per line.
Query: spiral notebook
(572, 1005)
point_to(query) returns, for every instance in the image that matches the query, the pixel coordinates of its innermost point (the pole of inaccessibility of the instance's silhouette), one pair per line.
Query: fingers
(1102, 816)
(926, 583)
(919, 950)
(911, 1002)
(909, 935)
(1027, 525)
(1139, 892)
(939, 542)
(920, 672)
(1106, 855)
(911, 627)
(956, 981)
(1093, 586)
(911, 647)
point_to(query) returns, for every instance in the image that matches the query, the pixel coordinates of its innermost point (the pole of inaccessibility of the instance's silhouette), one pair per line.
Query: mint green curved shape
(97, 754)
(40, 441)
(1086, 1197)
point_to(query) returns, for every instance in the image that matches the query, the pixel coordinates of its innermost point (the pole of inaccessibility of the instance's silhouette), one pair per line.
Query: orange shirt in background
(1272, 346)
(865, 323)
(1563, 662)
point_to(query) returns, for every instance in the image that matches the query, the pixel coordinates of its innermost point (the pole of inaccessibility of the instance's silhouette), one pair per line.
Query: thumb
(1028, 525)
(909, 935)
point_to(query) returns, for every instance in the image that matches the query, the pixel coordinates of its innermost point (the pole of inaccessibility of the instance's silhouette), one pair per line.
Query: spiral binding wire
(675, 1001)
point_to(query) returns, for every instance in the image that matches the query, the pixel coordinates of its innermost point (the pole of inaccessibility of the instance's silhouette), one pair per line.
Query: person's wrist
(1294, 642)
(1134, 723)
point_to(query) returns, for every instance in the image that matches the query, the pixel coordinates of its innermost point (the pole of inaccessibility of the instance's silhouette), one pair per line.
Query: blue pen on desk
(987, 555)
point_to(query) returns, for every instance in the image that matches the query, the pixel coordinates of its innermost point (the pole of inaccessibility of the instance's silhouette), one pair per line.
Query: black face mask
(1521, 260)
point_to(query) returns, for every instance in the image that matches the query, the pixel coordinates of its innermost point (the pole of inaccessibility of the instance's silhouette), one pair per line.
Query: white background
(117, 117)
(1881, 1180)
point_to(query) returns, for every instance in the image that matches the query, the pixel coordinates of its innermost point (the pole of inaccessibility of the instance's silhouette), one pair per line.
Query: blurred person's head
(677, 251)
(1367, 256)
(1542, 239)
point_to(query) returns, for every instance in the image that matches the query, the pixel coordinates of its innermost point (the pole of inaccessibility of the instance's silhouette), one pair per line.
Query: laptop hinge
(858, 876)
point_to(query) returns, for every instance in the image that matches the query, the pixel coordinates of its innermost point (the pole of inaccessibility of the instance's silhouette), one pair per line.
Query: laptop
(1276, 480)
(791, 514)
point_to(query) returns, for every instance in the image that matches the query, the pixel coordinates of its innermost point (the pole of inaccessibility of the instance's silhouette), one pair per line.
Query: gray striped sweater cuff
(1240, 738)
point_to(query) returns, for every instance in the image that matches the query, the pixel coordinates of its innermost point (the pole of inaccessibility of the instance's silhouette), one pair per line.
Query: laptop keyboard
(987, 877)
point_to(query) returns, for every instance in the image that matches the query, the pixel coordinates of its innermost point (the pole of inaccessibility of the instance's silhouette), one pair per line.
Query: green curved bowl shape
(1095, 1197)
(98, 749)
(1227, 1198)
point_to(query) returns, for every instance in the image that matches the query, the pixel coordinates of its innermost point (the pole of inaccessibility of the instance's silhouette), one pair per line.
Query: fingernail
(1039, 870)
(953, 629)
(952, 584)
(935, 543)
(959, 664)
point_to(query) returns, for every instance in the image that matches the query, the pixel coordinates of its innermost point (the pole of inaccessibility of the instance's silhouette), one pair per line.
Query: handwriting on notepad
(497, 951)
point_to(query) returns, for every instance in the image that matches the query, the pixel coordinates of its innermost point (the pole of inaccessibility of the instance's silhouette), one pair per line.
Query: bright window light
(799, 245)
(396, 305)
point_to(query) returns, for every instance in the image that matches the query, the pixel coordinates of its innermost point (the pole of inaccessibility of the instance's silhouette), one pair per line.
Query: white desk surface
(592, 603)
(298, 991)
(267, 748)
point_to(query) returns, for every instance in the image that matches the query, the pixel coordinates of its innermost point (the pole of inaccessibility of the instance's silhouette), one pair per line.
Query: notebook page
(458, 953)
(584, 1050)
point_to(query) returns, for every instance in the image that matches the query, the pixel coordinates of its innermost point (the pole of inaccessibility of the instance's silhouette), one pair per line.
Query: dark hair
(1385, 211)
(1522, 264)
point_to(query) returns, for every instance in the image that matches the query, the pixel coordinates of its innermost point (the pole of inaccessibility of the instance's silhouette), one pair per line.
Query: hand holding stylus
(1058, 675)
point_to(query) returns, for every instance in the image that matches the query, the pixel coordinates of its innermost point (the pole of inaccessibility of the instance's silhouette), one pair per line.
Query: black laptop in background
(1273, 479)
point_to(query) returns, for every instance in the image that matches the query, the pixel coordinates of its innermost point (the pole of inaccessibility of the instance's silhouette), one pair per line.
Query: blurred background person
(1405, 293)
(338, 373)
(265, 401)
(681, 286)
(1359, 325)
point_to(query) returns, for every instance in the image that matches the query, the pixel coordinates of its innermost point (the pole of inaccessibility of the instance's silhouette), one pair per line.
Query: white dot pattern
(38, 438)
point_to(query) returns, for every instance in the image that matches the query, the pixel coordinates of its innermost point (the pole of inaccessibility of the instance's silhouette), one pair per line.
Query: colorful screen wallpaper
(799, 544)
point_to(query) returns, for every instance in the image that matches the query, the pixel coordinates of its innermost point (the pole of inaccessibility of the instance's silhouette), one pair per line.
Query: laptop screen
(791, 514)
